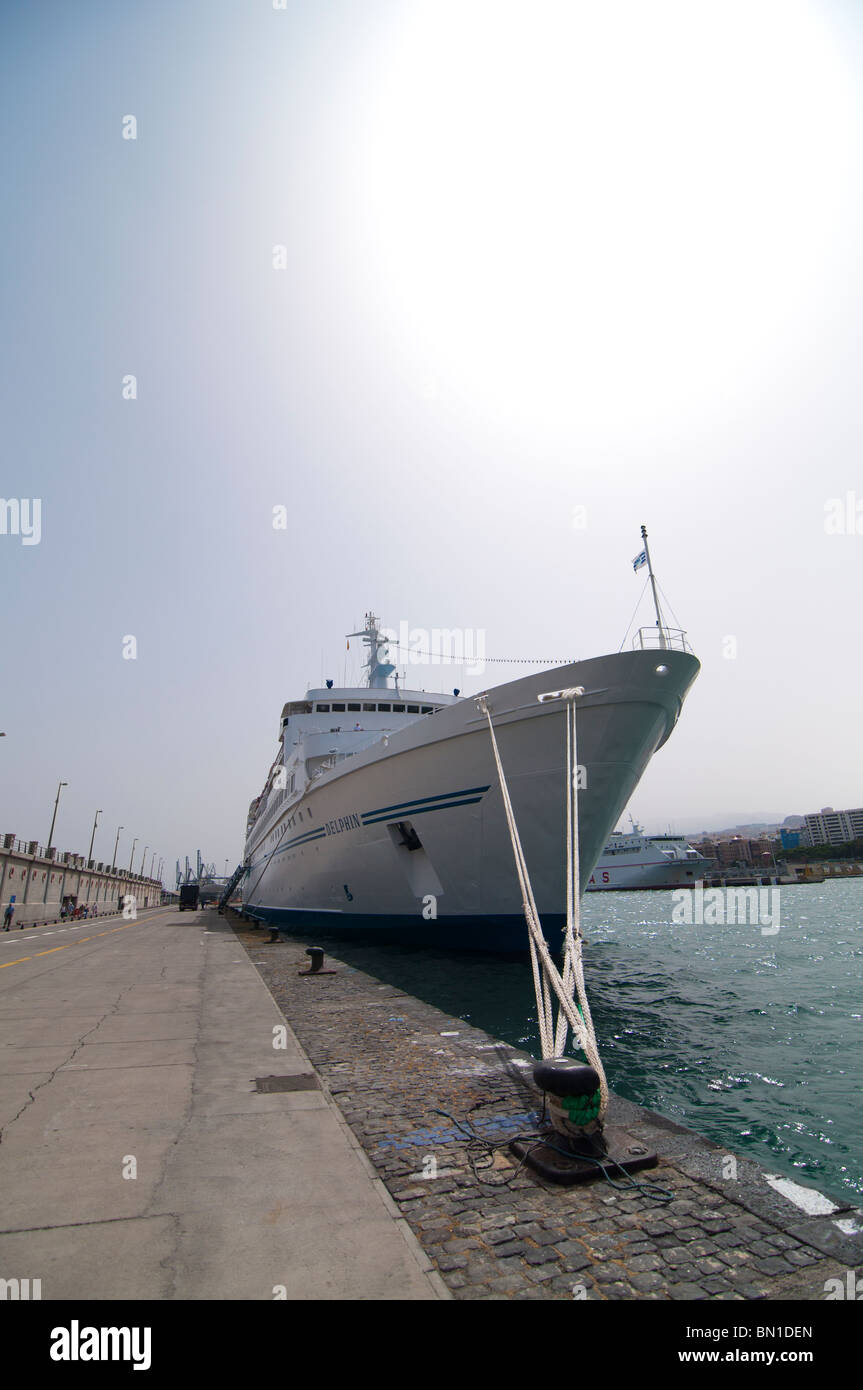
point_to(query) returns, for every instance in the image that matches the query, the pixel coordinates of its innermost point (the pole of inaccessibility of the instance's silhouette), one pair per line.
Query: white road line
(12, 938)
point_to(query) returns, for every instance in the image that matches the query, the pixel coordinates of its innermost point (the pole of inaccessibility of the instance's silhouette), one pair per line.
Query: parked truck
(188, 895)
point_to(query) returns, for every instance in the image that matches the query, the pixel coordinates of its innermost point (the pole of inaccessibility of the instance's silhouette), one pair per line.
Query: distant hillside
(731, 819)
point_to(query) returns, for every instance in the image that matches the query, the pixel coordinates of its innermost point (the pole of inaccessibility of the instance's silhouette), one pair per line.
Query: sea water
(753, 1039)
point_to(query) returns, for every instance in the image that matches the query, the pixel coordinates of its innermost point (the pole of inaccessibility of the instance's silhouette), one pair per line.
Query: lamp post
(93, 836)
(54, 817)
(116, 843)
(132, 855)
(143, 857)
(152, 863)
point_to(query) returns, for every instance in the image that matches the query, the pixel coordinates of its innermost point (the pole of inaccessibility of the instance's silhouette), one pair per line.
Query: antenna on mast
(378, 671)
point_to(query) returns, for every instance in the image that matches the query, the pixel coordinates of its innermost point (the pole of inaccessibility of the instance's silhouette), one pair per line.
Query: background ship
(633, 860)
(382, 810)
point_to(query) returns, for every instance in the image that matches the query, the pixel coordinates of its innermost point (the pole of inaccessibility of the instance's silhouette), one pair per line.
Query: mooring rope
(546, 976)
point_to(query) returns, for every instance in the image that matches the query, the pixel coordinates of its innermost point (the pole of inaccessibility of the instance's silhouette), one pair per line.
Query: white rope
(546, 976)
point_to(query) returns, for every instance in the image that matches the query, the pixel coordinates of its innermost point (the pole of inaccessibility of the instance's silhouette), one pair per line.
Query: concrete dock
(143, 1153)
(705, 1224)
(183, 1115)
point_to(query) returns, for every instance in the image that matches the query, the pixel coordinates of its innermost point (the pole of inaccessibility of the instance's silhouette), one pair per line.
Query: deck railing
(660, 639)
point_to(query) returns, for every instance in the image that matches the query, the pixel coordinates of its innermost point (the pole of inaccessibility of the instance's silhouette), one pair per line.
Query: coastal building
(829, 827)
(793, 839)
(734, 851)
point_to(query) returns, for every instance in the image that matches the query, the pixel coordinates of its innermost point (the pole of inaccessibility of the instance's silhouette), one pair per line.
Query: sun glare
(590, 212)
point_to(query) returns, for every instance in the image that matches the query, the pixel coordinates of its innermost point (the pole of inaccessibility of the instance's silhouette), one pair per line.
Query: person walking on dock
(7, 915)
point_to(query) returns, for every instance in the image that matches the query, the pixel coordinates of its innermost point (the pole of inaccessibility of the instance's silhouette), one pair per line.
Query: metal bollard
(316, 955)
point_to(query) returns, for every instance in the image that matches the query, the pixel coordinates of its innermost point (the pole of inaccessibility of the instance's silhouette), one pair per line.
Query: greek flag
(640, 560)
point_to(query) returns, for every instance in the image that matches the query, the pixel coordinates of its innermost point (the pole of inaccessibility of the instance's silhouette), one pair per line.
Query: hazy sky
(535, 257)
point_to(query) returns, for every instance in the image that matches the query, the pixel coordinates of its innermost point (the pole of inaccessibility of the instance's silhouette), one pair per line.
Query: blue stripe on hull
(405, 806)
(507, 933)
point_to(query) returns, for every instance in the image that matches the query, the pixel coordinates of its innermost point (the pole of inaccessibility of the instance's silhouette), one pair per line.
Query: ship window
(369, 709)
(398, 709)
(353, 707)
(413, 709)
(340, 709)
(384, 709)
(426, 709)
(323, 709)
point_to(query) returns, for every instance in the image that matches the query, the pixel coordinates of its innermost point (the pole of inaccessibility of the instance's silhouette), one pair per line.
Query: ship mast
(378, 671)
(659, 623)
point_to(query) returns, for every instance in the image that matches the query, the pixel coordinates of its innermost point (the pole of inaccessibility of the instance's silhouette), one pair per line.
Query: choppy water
(755, 1041)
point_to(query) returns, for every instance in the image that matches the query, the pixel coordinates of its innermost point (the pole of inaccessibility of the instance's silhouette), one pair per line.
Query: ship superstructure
(382, 812)
(632, 860)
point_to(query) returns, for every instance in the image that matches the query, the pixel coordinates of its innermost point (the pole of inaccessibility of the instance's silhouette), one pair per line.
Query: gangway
(238, 874)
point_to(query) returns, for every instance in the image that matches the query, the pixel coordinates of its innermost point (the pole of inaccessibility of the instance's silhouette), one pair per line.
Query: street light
(93, 836)
(132, 855)
(54, 817)
(152, 863)
(143, 857)
(116, 843)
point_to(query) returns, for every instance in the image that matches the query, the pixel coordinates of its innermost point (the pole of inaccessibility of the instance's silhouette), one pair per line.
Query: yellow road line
(80, 941)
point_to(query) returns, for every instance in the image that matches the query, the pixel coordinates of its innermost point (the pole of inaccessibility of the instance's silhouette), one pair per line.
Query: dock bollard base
(623, 1150)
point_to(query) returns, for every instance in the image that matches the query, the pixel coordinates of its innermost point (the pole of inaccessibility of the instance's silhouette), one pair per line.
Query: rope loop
(547, 979)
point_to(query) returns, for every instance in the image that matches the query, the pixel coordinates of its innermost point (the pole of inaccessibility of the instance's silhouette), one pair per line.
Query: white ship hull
(608, 877)
(633, 861)
(335, 858)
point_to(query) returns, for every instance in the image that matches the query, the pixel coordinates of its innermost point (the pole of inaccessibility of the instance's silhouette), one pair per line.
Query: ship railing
(660, 639)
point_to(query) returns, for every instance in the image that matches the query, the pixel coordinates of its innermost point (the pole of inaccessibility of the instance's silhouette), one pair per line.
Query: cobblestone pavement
(392, 1063)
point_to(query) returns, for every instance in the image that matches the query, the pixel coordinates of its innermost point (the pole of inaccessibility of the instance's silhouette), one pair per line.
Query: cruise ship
(382, 812)
(634, 860)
